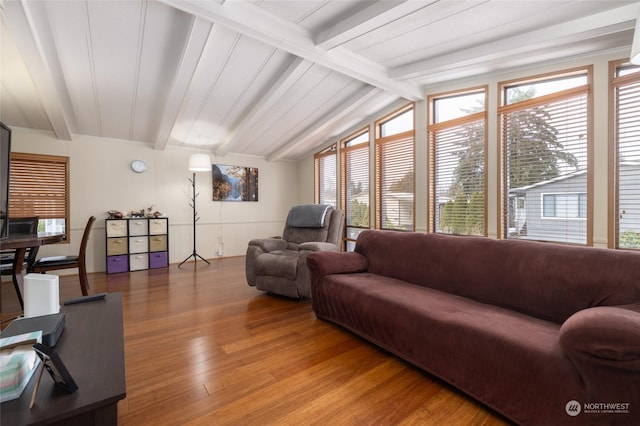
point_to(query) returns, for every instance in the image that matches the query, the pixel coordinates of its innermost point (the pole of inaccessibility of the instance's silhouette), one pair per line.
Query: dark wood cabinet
(92, 349)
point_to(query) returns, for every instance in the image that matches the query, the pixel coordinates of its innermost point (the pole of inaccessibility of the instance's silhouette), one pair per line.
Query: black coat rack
(194, 254)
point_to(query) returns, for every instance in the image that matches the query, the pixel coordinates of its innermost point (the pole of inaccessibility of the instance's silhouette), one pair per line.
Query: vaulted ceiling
(271, 78)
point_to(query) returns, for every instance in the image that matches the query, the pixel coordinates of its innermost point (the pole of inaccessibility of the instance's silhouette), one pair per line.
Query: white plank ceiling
(271, 78)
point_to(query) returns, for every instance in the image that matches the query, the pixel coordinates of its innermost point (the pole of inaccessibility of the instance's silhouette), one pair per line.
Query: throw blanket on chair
(308, 215)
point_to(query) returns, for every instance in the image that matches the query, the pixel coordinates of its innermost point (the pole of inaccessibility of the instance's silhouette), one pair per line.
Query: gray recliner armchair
(279, 265)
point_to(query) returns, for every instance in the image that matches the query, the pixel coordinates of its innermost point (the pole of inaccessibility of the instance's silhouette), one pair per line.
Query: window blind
(627, 142)
(545, 143)
(355, 188)
(325, 176)
(38, 186)
(395, 182)
(458, 175)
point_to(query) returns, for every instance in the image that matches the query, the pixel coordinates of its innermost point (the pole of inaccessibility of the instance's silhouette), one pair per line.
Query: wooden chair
(19, 226)
(46, 264)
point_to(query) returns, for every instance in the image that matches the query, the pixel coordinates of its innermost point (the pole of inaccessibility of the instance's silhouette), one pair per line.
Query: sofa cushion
(546, 280)
(280, 263)
(301, 235)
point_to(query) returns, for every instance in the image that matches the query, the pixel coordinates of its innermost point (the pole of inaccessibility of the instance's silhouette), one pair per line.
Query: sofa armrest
(269, 244)
(604, 344)
(330, 262)
(605, 332)
(317, 246)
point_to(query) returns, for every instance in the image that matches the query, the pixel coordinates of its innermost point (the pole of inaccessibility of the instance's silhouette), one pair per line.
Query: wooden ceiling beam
(376, 15)
(250, 20)
(309, 137)
(194, 47)
(599, 24)
(24, 22)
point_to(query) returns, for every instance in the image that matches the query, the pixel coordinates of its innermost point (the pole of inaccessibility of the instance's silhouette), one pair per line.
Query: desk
(21, 243)
(92, 349)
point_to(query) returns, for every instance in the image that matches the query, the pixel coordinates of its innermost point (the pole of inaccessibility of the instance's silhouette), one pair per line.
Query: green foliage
(359, 214)
(405, 184)
(630, 239)
(388, 224)
(534, 154)
(463, 215)
(533, 148)
(470, 169)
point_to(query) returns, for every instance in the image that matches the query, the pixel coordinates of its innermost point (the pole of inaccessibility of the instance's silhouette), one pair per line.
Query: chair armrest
(604, 345)
(323, 263)
(269, 244)
(318, 246)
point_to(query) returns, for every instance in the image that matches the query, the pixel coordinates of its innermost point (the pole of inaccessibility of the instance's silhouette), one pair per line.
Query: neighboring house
(556, 209)
(397, 212)
(552, 210)
(629, 215)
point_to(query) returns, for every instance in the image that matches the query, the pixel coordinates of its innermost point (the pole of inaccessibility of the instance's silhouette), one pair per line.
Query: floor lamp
(197, 163)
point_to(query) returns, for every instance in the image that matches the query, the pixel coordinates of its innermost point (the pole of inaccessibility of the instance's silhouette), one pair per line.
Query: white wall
(600, 139)
(306, 180)
(101, 179)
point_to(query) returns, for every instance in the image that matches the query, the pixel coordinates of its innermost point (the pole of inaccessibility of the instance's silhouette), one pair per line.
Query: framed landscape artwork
(235, 183)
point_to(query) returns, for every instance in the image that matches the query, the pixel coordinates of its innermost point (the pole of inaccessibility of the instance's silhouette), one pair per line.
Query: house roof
(523, 189)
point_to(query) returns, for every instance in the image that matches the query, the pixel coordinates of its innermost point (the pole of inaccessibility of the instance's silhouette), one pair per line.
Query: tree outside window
(545, 143)
(458, 149)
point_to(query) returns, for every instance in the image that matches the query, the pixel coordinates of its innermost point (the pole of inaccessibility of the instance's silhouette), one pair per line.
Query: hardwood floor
(203, 348)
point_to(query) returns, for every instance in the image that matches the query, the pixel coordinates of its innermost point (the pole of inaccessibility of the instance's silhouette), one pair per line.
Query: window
(457, 143)
(395, 171)
(564, 206)
(400, 123)
(354, 154)
(325, 176)
(625, 225)
(545, 140)
(39, 187)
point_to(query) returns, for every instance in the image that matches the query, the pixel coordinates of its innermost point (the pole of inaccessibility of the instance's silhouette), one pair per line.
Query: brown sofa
(545, 334)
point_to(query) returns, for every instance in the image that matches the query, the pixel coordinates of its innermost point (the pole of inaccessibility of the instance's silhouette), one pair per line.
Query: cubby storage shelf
(136, 244)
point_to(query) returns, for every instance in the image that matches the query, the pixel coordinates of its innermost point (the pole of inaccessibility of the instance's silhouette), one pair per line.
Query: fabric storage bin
(138, 261)
(158, 243)
(138, 244)
(116, 246)
(158, 260)
(117, 264)
(158, 226)
(116, 228)
(138, 227)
